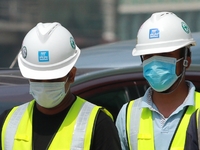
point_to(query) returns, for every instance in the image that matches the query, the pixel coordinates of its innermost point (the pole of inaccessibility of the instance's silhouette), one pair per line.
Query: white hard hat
(48, 52)
(162, 32)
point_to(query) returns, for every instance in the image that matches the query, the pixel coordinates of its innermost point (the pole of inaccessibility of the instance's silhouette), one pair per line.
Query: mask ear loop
(185, 64)
(185, 61)
(141, 58)
(66, 90)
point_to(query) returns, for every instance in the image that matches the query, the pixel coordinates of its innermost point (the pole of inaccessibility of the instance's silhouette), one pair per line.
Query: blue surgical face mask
(160, 72)
(48, 94)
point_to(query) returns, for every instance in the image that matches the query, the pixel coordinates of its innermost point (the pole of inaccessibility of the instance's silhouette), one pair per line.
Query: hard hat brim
(169, 47)
(50, 73)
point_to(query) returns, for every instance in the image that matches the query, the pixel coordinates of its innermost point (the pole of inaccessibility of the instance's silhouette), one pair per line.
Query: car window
(111, 100)
(114, 98)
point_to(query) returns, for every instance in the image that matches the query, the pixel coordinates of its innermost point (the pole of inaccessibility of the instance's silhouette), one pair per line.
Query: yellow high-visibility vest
(144, 127)
(75, 131)
(198, 125)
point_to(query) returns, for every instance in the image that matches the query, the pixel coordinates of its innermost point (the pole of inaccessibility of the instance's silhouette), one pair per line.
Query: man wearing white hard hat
(56, 118)
(159, 119)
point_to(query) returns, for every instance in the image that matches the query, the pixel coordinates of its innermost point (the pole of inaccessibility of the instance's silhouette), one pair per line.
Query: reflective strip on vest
(10, 127)
(133, 112)
(198, 125)
(79, 135)
(141, 137)
(77, 125)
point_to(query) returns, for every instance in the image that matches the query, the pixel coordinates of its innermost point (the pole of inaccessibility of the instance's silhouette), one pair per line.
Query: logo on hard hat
(43, 56)
(185, 27)
(154, 33)
(72, 42)
(24, 52)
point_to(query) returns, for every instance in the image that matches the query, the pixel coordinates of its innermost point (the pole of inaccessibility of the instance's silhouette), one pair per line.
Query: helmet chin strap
(185, 64)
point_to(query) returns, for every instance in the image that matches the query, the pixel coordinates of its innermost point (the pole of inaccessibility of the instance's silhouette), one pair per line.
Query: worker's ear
(71, 75)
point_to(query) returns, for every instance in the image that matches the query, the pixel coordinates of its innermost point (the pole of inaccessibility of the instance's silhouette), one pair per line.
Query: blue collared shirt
(164, 128)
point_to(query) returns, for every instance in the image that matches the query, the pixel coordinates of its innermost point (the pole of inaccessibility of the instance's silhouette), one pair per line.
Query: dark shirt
(191, 142)
(45, 126)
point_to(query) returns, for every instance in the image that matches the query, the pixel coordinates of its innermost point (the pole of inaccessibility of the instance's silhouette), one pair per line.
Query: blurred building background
(91, 22)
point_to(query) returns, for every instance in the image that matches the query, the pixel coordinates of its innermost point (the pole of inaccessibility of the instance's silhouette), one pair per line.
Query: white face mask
(48, 94)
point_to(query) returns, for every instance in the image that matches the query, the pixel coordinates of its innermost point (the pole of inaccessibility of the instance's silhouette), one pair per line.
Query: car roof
(113, 55)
